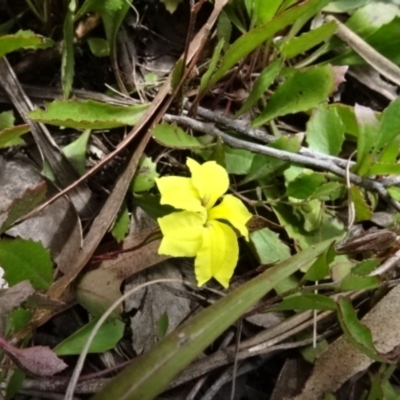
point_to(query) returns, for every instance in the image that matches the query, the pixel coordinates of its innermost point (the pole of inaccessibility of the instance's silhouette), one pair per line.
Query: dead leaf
(37, 360)
(57, 227)
(341, 361)
(153, 301)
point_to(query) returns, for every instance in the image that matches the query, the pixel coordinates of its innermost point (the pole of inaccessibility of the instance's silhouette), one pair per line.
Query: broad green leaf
(346, 114)
(364, 268)
(266, 167)
(362, 209)
(6, 119)
(368, 127)
(151, 205)
(14, 384)
(305, 185)
(306, 302)
(121, 224)
(25, 259)
(261, 84)
(99, 47)
(151, 373)
(300, 92)
(384, 169)
(173, 136)
(23, 40)
(88, 114)
(68, 57)
(20, 206)
(145, 175)
(308, 40)
(320, 268)
(76, 152)
(106, 338)
(325, 130)
(394, 192)
(268, 247)
(356, 333)
(264, 11)
(390, 125)
(368, 19)
(238, 161)
(250, 41)
(353, 282)
(328, 191)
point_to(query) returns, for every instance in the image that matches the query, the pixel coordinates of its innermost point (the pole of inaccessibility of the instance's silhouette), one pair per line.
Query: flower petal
(210, 179)
(182, 233)
(218, 254)
(234, 211)
(179, 192)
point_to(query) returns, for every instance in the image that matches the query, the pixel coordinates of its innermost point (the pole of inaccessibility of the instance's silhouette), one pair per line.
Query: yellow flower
(204, 229)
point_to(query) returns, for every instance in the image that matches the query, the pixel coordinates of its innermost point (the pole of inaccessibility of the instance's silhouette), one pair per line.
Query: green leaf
(364, 268)
(162, 326)
(362, 209)
(308, 40)
(327, 191)
(390, 125)
(306, 302)
(305, 185)
(14, 385)
(320, 269)
(21, 205)
(68, 57)
(238, 161)
(211, 67)
(394, 192)
(25, 259)
(368, 127)
(171, 5)
(106, 338)
(268, 247)
(384, 169)
(153, 371)
(76, 152)
(356, 333)
(19, 318)
(121, 224)
(151, 205)
(145, 175)
(264, 11)
(99, 47)
(23, 40)
(11, 136)
(261, 84)
(325, 130)
(300, 92)
(88, 114)
(250, 41)
(175, 137)
(353, 282)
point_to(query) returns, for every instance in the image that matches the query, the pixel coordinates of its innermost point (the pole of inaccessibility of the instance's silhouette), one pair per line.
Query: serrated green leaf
(261, 84)
(306, 302)
(300, 92)
(308, 40)
(145, 175)
(175, 137)
(121, 224)
(106, 338)
(356, 333)
(25, 259)
(250, 41)
(268, 247)
(12, 136)
(76, 152)
(88, 114)
(23, 40)
(325, 130)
